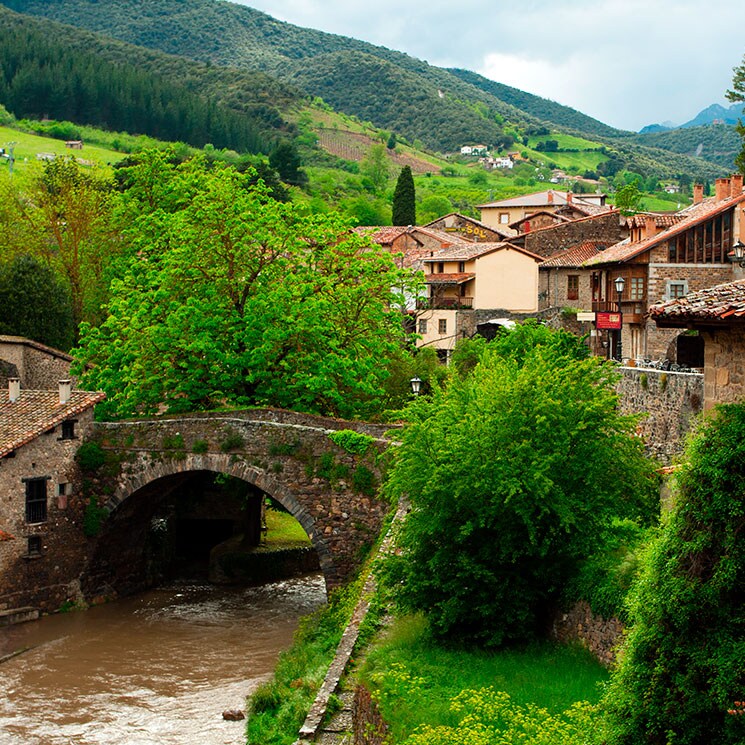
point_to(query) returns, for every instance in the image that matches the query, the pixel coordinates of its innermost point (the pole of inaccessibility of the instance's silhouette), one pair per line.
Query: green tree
(35, 304)
(230, 297)
(628, 198)
(285, 159)
(404, 199)
(376, 168)
(682, 667)
(391, 144)
(736, 94)
(514, 472)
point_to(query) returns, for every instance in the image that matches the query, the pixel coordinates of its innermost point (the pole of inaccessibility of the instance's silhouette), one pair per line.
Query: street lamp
(739, 253)
(416, 385)
(620, 283)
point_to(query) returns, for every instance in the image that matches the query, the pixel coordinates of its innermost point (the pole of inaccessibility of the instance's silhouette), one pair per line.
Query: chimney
(550, 197)
(698, 193)
(722, 189)
(570, 196)
(736, 184)
(65, 390)
(14, 389)
(650, 226)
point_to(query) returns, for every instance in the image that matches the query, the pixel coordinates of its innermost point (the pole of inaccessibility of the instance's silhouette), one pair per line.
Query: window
(422, 325)
(573, 287)
(440, 267)
(68, 429)
(36, 500)
(676, 288)
(636, 288)
(63, 488)
(504, 218)
(461, 266)
(443, 325)
(34, 545)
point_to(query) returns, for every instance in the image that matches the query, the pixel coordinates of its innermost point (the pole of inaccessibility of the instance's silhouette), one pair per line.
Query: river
(155, 669)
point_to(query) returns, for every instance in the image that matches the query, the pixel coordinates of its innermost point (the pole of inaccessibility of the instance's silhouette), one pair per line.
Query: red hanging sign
(604, 320)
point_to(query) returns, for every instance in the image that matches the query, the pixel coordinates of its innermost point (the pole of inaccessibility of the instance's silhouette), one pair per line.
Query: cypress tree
(404, 205)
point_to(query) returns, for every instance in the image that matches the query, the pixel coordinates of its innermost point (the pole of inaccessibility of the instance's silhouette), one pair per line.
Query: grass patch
(416, 679)
(284, 531)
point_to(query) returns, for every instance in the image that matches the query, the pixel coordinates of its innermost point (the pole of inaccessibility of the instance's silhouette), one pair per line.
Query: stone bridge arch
(292, 457)
(225, 464)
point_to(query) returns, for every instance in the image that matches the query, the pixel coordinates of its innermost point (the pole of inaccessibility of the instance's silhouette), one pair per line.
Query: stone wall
(368, 725)
(671, 401)
(724, 369)
(39, 367)
(44, 580)
(601, 636)
(604, 227)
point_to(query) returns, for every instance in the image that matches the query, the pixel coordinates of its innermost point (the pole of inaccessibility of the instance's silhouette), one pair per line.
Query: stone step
(18, 615)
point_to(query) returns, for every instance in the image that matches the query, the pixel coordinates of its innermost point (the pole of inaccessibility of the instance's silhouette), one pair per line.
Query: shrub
(93, 518)
(231, 440)
(90, 456)
(363, 480)
(200, 446)
(682, 667)
(351, 441)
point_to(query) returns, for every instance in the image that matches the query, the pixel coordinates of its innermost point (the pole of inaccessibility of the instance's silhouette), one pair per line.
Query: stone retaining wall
(600, 635)
(671, 402)
(368, 725)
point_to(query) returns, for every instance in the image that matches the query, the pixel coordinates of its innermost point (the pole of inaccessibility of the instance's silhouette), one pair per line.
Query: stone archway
(136, 479)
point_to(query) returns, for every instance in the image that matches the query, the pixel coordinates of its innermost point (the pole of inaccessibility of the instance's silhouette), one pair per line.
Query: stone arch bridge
(330, 488)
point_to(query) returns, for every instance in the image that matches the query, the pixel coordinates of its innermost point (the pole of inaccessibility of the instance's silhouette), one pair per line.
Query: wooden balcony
(633, 310)
(445, 303)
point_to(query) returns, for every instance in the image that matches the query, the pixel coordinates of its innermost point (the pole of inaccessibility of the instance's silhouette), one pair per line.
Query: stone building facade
(41, 508)
(37, 366)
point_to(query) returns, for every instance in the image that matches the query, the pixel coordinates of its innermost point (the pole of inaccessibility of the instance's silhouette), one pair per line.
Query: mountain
(440, 109)
(714, 114)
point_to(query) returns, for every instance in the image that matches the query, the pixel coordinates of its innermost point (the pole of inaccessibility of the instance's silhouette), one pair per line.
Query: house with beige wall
(470, 277)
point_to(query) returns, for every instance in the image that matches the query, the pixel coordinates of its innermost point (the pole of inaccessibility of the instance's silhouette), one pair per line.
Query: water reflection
(156, 669)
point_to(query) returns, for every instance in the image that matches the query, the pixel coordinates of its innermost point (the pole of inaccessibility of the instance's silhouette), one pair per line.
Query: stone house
(470, 277)
(562, 280)
(717, 316)
(39, 367)
(666, 257)
(41, 551)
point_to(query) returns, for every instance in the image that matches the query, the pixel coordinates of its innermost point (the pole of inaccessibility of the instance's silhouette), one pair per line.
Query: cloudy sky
(626, 62)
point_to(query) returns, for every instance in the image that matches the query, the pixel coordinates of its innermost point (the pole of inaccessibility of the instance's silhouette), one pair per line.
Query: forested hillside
(50, 70)
(441, 109)
(717, 143)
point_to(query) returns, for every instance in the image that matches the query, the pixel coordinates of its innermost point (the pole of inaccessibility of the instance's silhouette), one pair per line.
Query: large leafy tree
(230, 297)
(514, 472)
(404, 199)
(682, 668)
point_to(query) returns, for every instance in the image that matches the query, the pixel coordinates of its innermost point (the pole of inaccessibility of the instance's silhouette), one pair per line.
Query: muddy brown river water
(155, 669)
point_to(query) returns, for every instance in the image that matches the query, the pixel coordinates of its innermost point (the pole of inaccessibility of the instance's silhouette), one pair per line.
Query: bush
(682, 667)
(351, 441)
(90, 456)
(93, 518)
(513, 472)
(200, 446)
(231, 440)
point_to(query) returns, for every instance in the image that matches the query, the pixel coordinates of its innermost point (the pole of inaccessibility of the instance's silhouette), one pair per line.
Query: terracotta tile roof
(381, 234)
(574, 256)
(446, 238)
(718, 304)
(4, 339)
(626, 250)
(542, 199)
(545, 213)
(660, 221)
(5, 536)
(467, 251)
(35, 412)
(448, 279)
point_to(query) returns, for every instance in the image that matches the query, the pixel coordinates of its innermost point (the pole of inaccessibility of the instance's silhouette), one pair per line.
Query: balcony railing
(633, 310)
(445, 303)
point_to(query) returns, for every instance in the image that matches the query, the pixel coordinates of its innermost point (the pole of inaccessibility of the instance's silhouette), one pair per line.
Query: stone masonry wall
(45, 580)
(368, 725)
(671, 401)
(605, 227)
(40, 368)
(724, 370)
(601, 636)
